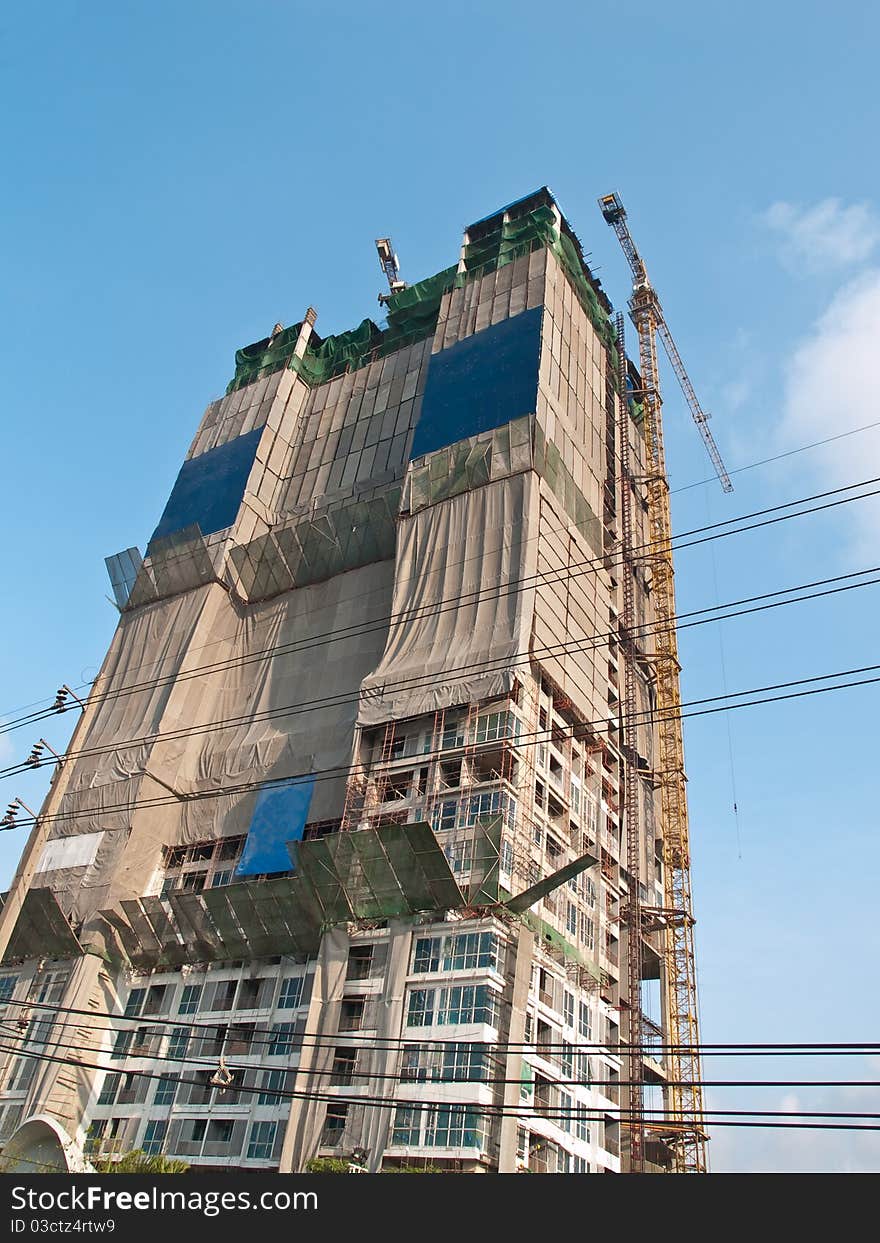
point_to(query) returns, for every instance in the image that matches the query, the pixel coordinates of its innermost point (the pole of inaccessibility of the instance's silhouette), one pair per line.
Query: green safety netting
(412, 313)
(636, 411)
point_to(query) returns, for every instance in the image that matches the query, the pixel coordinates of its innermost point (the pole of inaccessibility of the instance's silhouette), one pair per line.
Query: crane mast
(674, 919)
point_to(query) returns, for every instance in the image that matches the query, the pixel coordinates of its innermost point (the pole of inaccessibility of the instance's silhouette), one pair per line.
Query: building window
(220, 995)
(291, 993)
(255, 994)
(121, 1044)
(135, 1002)
(452, 1128)
(564, 1119)
(360, 962)
(205, 865)
(155, 1001)
(568, 1008)
(280, 1040)
(571, 919)
(271, 1085)
(154, 1137)
(165, 1092)
(507, 855)
(7, 986)
(24, 1070)
(351, 1015)
(421, 1008)
(585, 1021)
(262, 1140)
(406, 1126)
(466, 952)
(455, 1062)
(189, 999)
(178, 1042)
(344, 1063)
(445, 815)
(334, 1124)
(467, 1003)
(107, 1095)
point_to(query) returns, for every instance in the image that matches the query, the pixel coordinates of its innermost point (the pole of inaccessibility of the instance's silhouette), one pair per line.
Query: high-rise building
(335, 864)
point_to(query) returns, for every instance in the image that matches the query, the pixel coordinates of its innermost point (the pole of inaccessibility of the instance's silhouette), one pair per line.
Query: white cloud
(825, 236)
(830, 388)
(789, 1149)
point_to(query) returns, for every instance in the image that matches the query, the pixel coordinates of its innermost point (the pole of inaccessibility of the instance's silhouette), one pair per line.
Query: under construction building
(341, 858)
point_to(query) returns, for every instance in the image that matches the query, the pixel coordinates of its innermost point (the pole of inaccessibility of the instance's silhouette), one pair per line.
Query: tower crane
(674, 919)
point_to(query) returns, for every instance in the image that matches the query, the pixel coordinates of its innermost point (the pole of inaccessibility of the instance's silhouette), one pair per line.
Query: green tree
(139, 1162)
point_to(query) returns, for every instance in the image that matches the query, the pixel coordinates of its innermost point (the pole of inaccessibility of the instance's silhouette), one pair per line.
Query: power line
(436, 608)
(334, 774)
(329, 1040)
(491, 1111)
(697, 484)
(779, 456)
(516, 659)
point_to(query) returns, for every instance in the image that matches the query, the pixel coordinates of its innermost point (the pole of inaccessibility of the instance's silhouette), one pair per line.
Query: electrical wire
(778, 457)
(514, 660)
(322, 1040)
(684, 488)
(493, 1111)
(334, 774)
(573, 570)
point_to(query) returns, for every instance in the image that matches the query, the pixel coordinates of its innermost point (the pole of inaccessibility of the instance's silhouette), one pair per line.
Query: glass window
(291, 993)
(568, 1008)
(427, 954)
(421, 1008)
(564, 1119)
(270, 1087)
(24, 1070)
(121, 1044)
(189, 999)
(585, 1021)
(178, 1042)
(107, 1095)
(334, 1124)
(135, 1002)
(445, 815)
(571, 919)
(7, 986)
(154, 1136)
(165, 1092)
(281, 1039)
(261, 1140)
(406, 1126)
(467, 1003)
(452, 1128)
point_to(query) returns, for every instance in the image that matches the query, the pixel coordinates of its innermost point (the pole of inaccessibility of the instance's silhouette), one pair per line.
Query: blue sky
(179, 177)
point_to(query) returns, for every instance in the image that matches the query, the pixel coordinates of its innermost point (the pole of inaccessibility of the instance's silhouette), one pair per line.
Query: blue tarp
(209, 488)
(279, 817)
(481, 383)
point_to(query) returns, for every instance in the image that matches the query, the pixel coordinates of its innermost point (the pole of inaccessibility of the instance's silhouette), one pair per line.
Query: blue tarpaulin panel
(209, 488)
(481, 383)
(279, 817)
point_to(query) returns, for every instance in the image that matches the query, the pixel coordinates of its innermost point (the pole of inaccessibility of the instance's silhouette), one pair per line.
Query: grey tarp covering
(203, 701)
(41, 930)
(458, 604)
